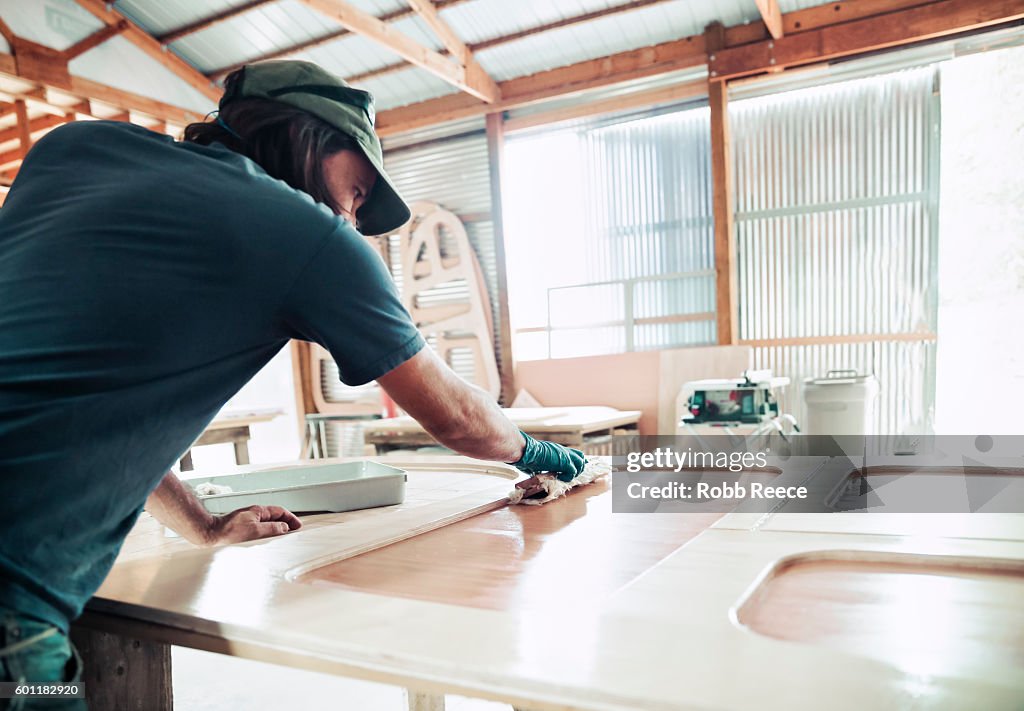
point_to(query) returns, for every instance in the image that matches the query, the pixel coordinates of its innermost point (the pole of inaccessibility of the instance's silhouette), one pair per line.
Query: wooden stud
(144, 41)
(94, 40)
(914, 24)
(722, 201)
(363, 23)
(495, 157)
(24, 129)
(772, 16)
(302, 381)
(36, 125)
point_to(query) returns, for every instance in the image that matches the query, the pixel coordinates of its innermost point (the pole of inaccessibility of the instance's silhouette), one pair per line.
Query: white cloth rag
(596, 468)
(208, 489)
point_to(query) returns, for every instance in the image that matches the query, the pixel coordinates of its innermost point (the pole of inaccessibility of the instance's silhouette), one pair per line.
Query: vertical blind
(632, 200)
(836, 234)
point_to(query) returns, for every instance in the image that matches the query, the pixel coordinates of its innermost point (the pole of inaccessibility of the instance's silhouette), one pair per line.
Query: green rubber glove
(541, 457)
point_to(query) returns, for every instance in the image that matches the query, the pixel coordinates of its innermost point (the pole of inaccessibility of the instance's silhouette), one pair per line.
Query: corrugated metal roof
(280, 25)
(260, 31)
(405, 86)
(606, 35)
(54, 23)
(121, 64)
(161, 17)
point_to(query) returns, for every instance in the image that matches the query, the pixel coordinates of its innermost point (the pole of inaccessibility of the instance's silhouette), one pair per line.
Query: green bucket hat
(306, 86)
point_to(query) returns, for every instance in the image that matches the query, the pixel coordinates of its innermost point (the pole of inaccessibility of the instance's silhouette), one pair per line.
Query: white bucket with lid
(841, 403)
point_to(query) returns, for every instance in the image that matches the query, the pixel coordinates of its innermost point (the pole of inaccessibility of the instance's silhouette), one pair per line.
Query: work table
(658, 630)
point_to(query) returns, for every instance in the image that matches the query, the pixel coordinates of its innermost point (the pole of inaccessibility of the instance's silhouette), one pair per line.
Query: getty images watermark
(818, 474)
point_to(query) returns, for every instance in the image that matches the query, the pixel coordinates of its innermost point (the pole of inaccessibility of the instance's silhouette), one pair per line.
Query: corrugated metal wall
(454, 172)
(836, 229)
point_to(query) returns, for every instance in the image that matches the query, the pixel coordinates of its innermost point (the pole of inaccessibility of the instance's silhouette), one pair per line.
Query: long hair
(287, 142)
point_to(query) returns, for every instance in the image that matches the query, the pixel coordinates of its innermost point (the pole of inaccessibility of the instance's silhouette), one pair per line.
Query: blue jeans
(50, 658)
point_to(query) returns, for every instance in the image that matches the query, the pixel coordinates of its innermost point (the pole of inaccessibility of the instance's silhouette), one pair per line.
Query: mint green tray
(342, 486)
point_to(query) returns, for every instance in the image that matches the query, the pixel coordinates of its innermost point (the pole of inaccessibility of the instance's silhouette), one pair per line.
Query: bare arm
(174, 505)
(458, 415)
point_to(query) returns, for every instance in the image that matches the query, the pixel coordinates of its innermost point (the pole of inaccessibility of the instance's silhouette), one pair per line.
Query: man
(144, 281)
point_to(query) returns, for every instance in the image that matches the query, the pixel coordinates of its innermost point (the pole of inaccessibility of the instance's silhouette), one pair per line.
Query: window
(609, 233)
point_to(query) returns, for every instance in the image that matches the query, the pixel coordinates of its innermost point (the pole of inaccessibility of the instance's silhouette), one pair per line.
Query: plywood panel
(905, 611)
(522, 557)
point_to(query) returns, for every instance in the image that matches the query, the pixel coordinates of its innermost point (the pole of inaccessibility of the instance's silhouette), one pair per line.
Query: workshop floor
(212, 682)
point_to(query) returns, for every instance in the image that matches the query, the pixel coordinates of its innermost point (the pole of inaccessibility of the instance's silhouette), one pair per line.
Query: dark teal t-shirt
(142, 283)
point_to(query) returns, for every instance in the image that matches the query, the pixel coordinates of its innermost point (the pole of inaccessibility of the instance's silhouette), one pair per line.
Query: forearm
(174, 505)
(456, 414)
(478, 428)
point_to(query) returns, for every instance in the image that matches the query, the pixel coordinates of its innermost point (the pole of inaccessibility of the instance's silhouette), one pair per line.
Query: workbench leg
(424, 702)
(121, 673)
(241, 453)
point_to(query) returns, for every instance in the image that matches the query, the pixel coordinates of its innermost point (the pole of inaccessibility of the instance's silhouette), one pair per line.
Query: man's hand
(249, 524)
(548, 457)
(174, 505)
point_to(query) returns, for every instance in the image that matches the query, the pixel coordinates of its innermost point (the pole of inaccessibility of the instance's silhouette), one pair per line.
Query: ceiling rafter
(404, 12)
(456, 47)
(920, 23)
(85, 91)
(363, 23)
(567, 80)
(747, 50)
(512, 37)
(772, 16)
(148, 44)
(95, 39)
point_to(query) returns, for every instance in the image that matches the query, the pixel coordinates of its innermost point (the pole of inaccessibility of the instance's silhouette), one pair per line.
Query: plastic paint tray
(345, 486)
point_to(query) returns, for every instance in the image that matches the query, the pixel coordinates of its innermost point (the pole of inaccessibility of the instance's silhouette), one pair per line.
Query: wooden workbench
(569, 606)
(230, 427)
(586, 427)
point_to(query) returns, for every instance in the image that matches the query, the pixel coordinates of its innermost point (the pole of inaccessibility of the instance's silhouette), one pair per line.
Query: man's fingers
(276, 513)
(266, 529)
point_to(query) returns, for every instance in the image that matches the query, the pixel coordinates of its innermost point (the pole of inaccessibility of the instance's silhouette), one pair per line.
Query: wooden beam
(24, 129)
(452, 42)
(39, 63)
(772, 16)
(650, 97)
(512, 37)
(458, 49)
(34, 126)
(95, 39)
(144, 41)
(496, 158)
(210, 21)
(128, 101)
(356, 20)
(726, 310)
(86, 89)
(574, 78)
(915, 24)
(6, 32)
(475, 74)
(217, 74)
